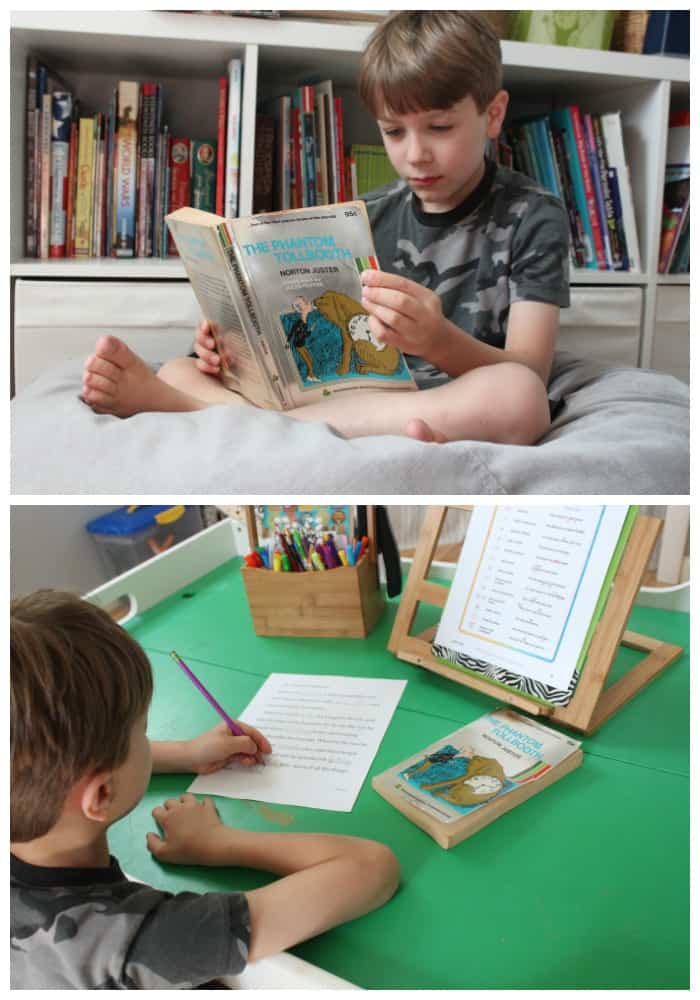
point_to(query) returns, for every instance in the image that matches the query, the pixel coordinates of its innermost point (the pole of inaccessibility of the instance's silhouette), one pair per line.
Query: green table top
(583, 886)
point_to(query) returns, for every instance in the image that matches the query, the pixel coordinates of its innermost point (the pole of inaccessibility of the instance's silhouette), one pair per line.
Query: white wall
(49, 547)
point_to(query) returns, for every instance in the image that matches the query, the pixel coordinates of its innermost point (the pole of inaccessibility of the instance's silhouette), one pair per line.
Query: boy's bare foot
(419, 430)
(117, 381)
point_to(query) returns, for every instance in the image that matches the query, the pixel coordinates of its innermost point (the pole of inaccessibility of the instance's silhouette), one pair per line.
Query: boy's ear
(495, 114)
(95, 795)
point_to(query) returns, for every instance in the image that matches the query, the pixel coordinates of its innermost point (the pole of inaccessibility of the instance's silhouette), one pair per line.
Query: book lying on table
(464, 781)
(283, 292)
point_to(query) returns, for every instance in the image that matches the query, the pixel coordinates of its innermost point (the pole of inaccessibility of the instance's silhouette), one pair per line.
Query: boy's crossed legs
(504, 403)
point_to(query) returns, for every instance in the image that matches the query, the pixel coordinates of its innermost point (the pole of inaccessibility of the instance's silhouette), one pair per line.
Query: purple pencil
(236, 730)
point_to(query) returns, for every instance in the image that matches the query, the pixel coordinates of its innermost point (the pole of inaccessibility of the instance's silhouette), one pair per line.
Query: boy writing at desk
(475, 258)
(81, 760)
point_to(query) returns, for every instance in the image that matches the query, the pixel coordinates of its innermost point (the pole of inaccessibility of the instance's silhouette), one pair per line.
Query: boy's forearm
(458, 352)
(279, 853)
(171, 756)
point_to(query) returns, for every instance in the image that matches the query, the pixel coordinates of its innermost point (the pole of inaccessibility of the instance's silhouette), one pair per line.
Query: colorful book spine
(594, 169)
(264, 168)
(126, 171)
(562, 120)
(611, 124)
(589, 192)
(72, 182)
(233, 138)
(110, 132)
(338, 108)
(30, 240)
(45, 175)
(295, 158)
(179, 188)
(84, 191)
(203, 175)
(163, 193)
(321, 150)
(98, 217)
(617, 254)
(221, 144)
(308, 144)
(614, 186)
(61, 106)
(147, 164)
(284, 152)
(578, 257)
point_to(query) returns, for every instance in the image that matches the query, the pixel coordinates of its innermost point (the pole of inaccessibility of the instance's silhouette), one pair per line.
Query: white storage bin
(59, 320)
(603, 323)
(671, 345)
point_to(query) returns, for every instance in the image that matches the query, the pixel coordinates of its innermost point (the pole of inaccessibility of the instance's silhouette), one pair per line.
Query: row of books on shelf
(302, 135)
(580, 158)
(101, 184)
(674, 252)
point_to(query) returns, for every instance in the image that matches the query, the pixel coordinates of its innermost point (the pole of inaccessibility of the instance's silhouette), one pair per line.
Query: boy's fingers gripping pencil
(235, 729)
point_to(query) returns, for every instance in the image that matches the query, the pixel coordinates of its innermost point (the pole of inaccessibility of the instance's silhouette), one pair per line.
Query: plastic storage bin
(130, 535)
(585, 29)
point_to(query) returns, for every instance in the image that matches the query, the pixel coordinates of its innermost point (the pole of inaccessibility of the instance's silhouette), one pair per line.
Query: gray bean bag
(619, 431)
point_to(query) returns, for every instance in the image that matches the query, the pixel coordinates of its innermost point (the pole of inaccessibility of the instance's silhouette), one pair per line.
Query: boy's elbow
(381, 862)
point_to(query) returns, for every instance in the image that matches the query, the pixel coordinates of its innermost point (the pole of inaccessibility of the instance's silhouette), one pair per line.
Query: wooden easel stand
(592, 703)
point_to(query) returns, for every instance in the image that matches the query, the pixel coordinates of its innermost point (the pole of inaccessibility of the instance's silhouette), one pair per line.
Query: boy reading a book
(81, 760)
(474, 256)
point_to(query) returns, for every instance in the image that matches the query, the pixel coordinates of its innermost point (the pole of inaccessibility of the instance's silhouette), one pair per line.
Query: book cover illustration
(491, 757)
(305, 269)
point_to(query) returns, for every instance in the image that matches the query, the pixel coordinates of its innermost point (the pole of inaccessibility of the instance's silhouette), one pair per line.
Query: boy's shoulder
(94, 928)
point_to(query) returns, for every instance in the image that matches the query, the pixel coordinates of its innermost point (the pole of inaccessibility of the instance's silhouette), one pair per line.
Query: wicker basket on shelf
(629, 31)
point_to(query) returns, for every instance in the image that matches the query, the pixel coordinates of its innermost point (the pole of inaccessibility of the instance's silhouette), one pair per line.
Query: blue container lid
(131, 520)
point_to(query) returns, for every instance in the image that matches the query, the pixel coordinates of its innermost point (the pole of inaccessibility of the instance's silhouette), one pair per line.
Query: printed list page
(324, 733)
(526, 586)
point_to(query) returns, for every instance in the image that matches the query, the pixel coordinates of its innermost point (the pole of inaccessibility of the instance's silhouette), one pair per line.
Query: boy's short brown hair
(78, 684)
(419, 60)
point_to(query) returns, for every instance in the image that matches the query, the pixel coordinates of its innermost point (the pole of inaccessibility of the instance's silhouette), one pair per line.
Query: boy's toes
(112, 349)
(419, 430)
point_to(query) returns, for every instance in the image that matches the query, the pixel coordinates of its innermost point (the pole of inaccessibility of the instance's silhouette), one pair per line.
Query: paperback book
(283, 294)
(459, 784)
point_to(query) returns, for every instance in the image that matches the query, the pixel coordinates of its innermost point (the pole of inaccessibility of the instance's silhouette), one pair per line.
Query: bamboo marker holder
(344, 603)
(592, 703)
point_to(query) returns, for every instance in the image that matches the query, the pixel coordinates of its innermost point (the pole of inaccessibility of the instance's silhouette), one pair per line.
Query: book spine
(30, 242)
(233, 138)
(295, 159)
(109, 175)
(98, 211)
(283, 153)
(563, 121)
(341, 148)
(263, 179)
(165, 204)
(203, 169)
(250, 315)
(594, 169)
(45, 188)
(308, 144)
(614, 185)
(144, 230)
(72, 178)
(578, 257)
(616, 254)
(221, 144)
(179, 190)
(125, 180)
(61, 105)
(611, 124)
(589, 193)
(83, 198)
(321, 151)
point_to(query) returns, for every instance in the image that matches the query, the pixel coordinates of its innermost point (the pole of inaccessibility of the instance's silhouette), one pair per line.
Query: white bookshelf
(188, 53)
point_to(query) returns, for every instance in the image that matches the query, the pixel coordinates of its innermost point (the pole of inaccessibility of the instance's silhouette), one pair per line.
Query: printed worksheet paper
(324, 732)
(526, 586)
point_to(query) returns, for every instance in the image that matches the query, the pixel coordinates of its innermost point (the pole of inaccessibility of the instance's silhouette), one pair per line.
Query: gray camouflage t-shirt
(74, 928)
(507, 242)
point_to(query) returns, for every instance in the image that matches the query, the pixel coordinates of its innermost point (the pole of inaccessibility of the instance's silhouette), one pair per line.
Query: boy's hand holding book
(208, 361)
(403, 313)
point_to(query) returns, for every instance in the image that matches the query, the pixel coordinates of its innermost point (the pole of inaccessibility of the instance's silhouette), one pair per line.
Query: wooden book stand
(590, 705)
